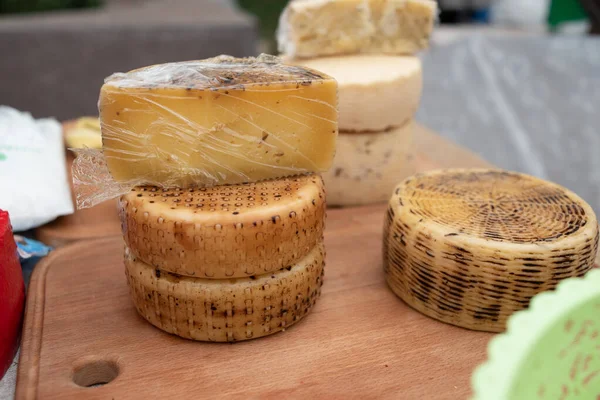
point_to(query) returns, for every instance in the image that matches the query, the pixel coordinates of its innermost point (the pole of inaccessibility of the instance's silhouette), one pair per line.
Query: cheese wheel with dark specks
(225, 231)
(471, 247)
(226, 310)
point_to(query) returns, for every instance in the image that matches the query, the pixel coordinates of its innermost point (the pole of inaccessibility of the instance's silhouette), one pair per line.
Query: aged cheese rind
(471, 247)
(226, 310)
(315, 28)
(376, 92)
(217, 121)
(368, 166)
(225, 231)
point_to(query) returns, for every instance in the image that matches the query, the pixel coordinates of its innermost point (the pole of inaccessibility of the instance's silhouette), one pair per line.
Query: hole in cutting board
(95, 373)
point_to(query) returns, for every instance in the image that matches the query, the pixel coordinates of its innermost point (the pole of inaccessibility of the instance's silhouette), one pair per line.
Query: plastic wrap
(212, 122)
(528, 104)
(314, 28)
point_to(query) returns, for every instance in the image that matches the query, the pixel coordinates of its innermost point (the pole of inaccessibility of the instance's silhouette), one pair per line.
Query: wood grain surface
(360, 341)
(431, 151)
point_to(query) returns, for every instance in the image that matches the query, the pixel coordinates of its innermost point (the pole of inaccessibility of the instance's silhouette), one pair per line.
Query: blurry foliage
(21, 6)
(267, 12)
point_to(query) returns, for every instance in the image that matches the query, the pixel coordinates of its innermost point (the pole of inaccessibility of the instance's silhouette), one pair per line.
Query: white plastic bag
(34, 186)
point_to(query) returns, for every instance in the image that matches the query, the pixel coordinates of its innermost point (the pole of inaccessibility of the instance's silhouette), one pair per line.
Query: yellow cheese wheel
(226, 310)
(218, 121)
(471, 247)
(225, 231)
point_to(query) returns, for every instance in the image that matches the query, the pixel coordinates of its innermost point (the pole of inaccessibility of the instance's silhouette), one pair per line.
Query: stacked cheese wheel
(471, 247)
(226, 244)
(369, 47)
(225, 263)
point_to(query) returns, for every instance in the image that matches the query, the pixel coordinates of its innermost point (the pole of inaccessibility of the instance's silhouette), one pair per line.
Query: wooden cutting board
(430, 151)
(360, 341)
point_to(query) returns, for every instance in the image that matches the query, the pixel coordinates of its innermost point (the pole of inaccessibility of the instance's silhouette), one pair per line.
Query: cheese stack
(471, 247)
(368, 46)
(224, 230)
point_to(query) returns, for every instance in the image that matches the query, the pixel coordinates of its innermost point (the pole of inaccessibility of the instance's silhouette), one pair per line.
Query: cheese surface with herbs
(314, 28)
(368, 166)
(217, 121)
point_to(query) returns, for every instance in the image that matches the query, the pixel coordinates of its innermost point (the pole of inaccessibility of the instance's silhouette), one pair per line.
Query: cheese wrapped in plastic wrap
(314, 28)
(218, 121)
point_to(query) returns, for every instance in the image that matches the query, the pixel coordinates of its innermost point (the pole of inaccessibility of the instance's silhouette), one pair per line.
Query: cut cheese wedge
(218, 121)
(225, 231)
(315, 28)
(368, 166)
(226, 310)
(376, 92)
(85, 133)
(471, 247)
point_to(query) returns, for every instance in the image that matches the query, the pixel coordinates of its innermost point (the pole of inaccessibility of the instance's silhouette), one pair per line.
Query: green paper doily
(549, 351)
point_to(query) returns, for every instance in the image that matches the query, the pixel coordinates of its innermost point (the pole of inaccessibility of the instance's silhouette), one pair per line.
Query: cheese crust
(471, 247)
(225, 231)
(226, 310)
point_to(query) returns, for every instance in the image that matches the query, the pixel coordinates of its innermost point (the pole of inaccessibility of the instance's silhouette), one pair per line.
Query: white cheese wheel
(226, 310)
(368, 166)
(225, 231)
(471, 247)
(376, 92)
(316, 28)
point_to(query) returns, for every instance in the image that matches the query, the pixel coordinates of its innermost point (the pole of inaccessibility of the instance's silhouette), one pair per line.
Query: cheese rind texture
(226, 310)
(368, 166)
(471, 247)
(218, 121)
(376, 92)
(315, 28)
(225, 231)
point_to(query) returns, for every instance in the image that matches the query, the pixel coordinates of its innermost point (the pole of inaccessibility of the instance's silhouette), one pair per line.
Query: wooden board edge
(31, 338)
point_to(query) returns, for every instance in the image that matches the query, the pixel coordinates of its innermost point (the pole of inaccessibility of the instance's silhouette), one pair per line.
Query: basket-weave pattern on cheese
(471, 247)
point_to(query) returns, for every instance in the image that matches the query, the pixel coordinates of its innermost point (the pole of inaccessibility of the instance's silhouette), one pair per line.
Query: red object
(12, 295)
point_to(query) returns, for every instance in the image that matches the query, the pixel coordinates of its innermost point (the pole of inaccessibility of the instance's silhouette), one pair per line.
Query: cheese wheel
(316, 28)
(368, 166)
(226, 310)
(218, 121)
(376, 92)
(471, 247)
(225, 231)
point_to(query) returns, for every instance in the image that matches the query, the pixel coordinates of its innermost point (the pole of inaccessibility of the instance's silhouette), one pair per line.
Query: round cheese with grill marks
(471, 247)
(225, 231)
(226, 310)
